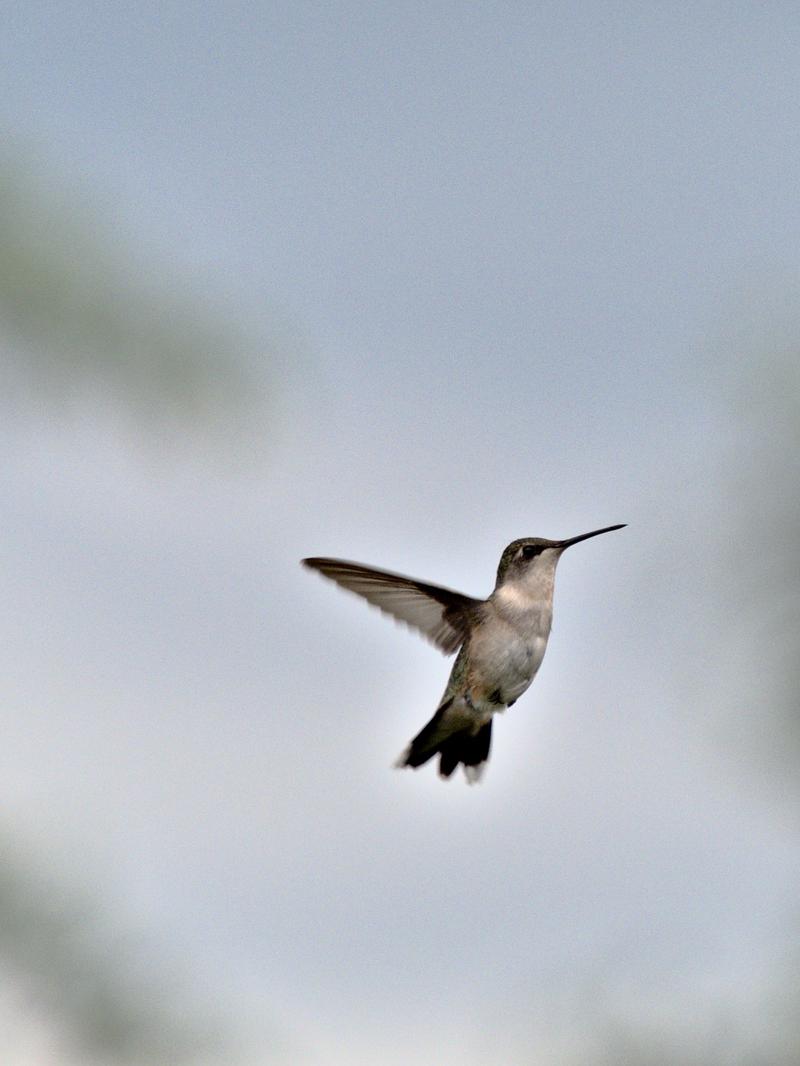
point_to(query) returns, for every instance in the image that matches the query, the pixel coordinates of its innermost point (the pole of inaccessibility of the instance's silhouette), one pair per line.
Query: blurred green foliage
(104, 998)
(78, 315)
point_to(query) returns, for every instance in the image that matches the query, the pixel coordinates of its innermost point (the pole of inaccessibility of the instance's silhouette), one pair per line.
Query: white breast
(513, 648)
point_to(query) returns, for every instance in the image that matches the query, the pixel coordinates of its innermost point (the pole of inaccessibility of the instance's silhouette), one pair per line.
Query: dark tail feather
(427, 742)
(471, 749)
(463, 746)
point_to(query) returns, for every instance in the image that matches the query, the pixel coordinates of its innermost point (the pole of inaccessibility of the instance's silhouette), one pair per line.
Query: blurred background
(398, 283)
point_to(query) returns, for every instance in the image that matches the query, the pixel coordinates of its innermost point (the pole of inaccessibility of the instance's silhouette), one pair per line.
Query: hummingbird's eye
(529, 550)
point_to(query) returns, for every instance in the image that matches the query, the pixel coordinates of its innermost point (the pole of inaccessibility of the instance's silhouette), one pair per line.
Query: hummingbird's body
(502, 641)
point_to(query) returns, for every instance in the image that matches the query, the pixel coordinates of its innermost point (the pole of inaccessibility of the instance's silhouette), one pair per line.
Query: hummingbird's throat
(514, 595)
(526, 595)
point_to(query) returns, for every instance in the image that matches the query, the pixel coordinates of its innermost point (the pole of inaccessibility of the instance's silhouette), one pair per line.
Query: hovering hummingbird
(502, 641)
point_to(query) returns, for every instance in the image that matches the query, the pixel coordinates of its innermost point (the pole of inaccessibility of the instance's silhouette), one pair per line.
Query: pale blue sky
(508, 270)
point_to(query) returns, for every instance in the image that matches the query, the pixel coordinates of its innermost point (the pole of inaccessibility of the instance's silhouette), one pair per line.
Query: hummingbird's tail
(453, 742)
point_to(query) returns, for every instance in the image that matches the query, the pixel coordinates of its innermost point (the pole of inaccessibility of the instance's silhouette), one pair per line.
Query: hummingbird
(500, 641)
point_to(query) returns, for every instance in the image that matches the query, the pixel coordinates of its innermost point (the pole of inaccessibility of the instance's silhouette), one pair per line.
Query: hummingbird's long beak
(585, 536)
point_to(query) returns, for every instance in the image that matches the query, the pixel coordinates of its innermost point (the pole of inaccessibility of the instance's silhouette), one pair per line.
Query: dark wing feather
(439, 614)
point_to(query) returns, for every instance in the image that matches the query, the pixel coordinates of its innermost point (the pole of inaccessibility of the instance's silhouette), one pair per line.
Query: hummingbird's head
(524, 557)
(532, 558)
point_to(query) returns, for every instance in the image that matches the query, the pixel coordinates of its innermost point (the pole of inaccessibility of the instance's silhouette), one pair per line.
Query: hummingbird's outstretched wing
(440, 615)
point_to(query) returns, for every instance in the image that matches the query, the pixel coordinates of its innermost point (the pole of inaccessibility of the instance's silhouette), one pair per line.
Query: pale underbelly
(504, 673)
